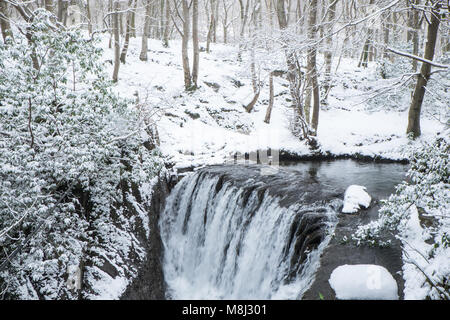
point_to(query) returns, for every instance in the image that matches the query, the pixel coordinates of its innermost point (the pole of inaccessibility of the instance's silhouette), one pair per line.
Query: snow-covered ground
(210, 124)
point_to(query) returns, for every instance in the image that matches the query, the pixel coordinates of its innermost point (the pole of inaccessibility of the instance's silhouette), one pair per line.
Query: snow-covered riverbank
(210, 125)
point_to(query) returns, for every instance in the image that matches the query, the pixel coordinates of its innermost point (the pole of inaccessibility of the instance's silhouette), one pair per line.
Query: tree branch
(411, 56)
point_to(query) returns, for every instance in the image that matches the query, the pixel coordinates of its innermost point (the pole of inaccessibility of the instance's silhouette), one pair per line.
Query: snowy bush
(425, 198)
(66, 145)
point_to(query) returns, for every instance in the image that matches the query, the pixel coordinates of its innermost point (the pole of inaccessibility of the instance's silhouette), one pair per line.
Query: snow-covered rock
(355, 196)
(363, 282)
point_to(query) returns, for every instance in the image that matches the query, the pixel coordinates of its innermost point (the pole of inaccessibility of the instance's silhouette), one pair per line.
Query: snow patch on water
(355, 196)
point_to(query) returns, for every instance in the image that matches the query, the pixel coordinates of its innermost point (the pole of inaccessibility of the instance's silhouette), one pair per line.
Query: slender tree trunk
(133, 20)
(121, 21)
(116, 40)
(293, 74)
(166, 25)
(210, 17)
(195, 45)
(225, 21)
(386, 33)
(89, 16)
(62, 11)
(216, 14)
(312, 68)
(363, 62)
(184, 46)
(161, 18)
(308, 97)
(144, 47)
(415, 35)
(111, 23)
(244, 17)
(422, 80)
(329, 48)
(123, 55)
(48, 4)
(270, 106)
(4, 20)
(364, 59)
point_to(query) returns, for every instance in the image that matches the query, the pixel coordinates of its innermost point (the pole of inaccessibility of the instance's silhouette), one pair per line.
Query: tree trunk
(270, 106)
(364, 59)
(184, 45)
(195, 48)
(48, 4)
(89, 16)
(62, 11)
(144, 47)
(4, 20)
(123, 55)
(244, 17)
(145, 32)
(329, 49)
(415, 35)
(116, 40)
(166, 25)
(111, 23)
(252, 103)
(133, 21)
(386, 32)
(293, 74)
(312, 68)
(422, 80)
(210, 17)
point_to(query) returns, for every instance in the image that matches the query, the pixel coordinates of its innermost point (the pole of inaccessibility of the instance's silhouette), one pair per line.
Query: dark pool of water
(380, 179)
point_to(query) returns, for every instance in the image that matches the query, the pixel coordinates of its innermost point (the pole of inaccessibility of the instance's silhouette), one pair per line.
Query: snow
(355, 196)
(210, 125)
(107, 287)
(415, 249)
(363, 282)
(416, 252)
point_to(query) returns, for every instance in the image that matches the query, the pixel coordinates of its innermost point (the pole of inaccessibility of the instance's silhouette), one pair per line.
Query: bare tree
(89, 16)
(293, 74)
(364, 59)
(425, 71)
(184, 32)
(184, 45)
(226, 22)
(123, 55)
(144, 47)
(244, 18)
(329, 48)
(166, 24)
(116, 7)
(312, 67)
(195, 46)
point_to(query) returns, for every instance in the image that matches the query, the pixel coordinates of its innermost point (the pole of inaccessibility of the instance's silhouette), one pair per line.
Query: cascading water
(231, 233)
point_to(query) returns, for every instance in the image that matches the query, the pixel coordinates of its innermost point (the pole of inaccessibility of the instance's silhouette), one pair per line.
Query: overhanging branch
(411, 56)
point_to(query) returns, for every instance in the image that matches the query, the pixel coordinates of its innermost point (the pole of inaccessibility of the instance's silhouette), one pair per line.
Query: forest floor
(209, 125)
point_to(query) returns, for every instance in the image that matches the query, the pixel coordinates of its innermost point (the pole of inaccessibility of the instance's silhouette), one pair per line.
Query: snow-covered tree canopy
(64, 137)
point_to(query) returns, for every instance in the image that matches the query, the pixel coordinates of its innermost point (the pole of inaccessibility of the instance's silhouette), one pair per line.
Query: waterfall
(231, 234)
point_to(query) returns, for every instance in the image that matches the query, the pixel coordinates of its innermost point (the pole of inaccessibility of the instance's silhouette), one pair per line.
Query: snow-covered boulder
(363, 282)
(355, 196)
